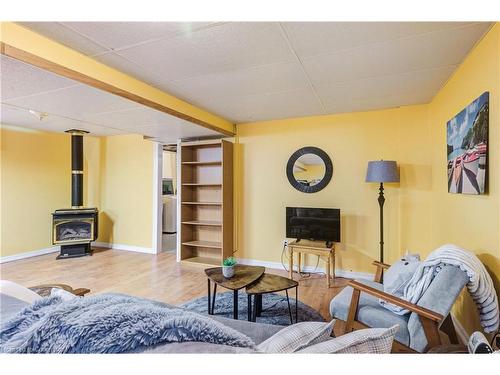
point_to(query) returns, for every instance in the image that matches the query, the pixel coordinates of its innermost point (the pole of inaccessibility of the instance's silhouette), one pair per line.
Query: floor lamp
(381, 171)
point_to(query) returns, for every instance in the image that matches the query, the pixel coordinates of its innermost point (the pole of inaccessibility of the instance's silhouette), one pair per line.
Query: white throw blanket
(480, 285)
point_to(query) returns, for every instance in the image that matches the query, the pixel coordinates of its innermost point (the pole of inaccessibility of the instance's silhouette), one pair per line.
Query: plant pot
(228, 271)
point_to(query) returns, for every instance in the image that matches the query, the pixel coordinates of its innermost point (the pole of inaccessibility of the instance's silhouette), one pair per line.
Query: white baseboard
(338, 272)
(117, 246)
(462, 334)
(29, 254)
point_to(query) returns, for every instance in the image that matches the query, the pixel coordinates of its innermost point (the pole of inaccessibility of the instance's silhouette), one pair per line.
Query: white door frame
(179, 200)
(156, 242)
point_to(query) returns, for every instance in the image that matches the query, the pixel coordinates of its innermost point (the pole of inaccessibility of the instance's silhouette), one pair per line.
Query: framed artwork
(467, 148)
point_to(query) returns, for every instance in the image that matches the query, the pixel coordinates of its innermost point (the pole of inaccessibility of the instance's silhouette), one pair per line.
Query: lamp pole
(381, 171)
(381, 201)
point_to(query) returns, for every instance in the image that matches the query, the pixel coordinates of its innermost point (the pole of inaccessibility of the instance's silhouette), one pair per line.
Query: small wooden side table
(269, 283)
(243, 276)
(318, 248)
(44, 289)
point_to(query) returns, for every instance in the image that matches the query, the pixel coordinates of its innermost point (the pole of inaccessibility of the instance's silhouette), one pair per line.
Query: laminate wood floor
(157, 277)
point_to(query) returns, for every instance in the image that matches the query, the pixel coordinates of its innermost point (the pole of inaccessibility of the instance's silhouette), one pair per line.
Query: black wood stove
(76, 227)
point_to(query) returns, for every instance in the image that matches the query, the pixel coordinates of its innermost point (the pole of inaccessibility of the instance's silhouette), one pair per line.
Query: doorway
(169, 198)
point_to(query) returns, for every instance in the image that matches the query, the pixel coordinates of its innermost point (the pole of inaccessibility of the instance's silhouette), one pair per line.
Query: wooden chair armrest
(421, 311)
(381, 265)
(380, 271)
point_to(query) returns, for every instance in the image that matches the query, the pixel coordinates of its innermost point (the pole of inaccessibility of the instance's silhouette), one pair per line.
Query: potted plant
(228, 267)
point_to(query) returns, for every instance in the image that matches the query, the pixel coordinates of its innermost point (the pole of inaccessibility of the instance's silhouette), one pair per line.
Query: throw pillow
(296, 337)
(399, 274)
(365, 341)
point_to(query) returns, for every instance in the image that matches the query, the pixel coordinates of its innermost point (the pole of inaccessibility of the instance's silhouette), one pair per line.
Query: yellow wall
(467, 220)
(350, 140)
(126, 191)
(36, 180)
(420, 214)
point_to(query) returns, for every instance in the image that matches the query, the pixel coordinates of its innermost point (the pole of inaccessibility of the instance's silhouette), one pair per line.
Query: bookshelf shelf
(208, 223)
(196, 163)
(204, 203)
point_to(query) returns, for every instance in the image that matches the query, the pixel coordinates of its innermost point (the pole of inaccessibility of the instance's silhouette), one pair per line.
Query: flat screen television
(319, 224)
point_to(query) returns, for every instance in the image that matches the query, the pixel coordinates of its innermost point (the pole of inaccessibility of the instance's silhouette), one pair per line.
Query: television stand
(325, 251)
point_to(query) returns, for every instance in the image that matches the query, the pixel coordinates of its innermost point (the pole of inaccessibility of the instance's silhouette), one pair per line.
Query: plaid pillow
(365, 341)
(296, 337)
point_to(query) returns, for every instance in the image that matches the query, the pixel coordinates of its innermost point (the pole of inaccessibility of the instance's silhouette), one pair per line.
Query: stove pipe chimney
(76, 167)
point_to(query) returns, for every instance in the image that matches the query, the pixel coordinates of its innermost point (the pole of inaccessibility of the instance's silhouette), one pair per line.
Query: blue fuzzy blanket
(108, 323)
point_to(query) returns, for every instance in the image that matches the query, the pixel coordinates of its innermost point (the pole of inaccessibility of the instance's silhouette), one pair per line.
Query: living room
(294, 162)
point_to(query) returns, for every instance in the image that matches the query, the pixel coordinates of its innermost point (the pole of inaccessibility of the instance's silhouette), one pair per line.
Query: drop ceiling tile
(19, 79)
(74, 102)
(59, 124)
(10, 115)
(150, 122)
(16, 116)
(172, 130)
(346, 105)
(225, 47)
(443, 48)
(312, 38)
(297, 103)
(424, 83)
(63, 35)
(259, 80)
(130, 118)
(115, 35)
(123, 65)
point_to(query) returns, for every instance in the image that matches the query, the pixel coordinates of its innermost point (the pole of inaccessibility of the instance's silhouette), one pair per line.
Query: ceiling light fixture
(39, 115)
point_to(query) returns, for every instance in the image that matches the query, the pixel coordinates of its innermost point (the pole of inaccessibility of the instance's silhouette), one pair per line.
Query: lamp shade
(382, 171)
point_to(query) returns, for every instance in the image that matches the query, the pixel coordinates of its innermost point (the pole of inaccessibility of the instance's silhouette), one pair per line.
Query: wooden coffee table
(243, 276)
(269, 283)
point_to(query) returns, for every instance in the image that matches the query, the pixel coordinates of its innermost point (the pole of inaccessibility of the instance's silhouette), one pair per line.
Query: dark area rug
(274, 308)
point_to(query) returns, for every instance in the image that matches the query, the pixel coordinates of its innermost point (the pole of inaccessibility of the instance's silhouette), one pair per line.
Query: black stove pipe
(76, 167)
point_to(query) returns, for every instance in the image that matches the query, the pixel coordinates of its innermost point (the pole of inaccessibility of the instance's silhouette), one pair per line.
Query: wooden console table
(318, 248)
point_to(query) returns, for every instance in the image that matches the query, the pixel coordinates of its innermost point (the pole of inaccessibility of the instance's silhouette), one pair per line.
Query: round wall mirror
(309, 169)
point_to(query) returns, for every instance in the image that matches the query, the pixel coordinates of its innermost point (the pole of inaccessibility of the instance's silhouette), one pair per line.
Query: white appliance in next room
(169, 223)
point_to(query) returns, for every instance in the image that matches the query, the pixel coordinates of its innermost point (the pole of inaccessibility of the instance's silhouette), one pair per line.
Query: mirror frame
(328, 169)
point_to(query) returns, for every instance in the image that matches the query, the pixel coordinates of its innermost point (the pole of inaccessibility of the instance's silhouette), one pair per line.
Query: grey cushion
(370, 312)
(399, 274)
(439, 297)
